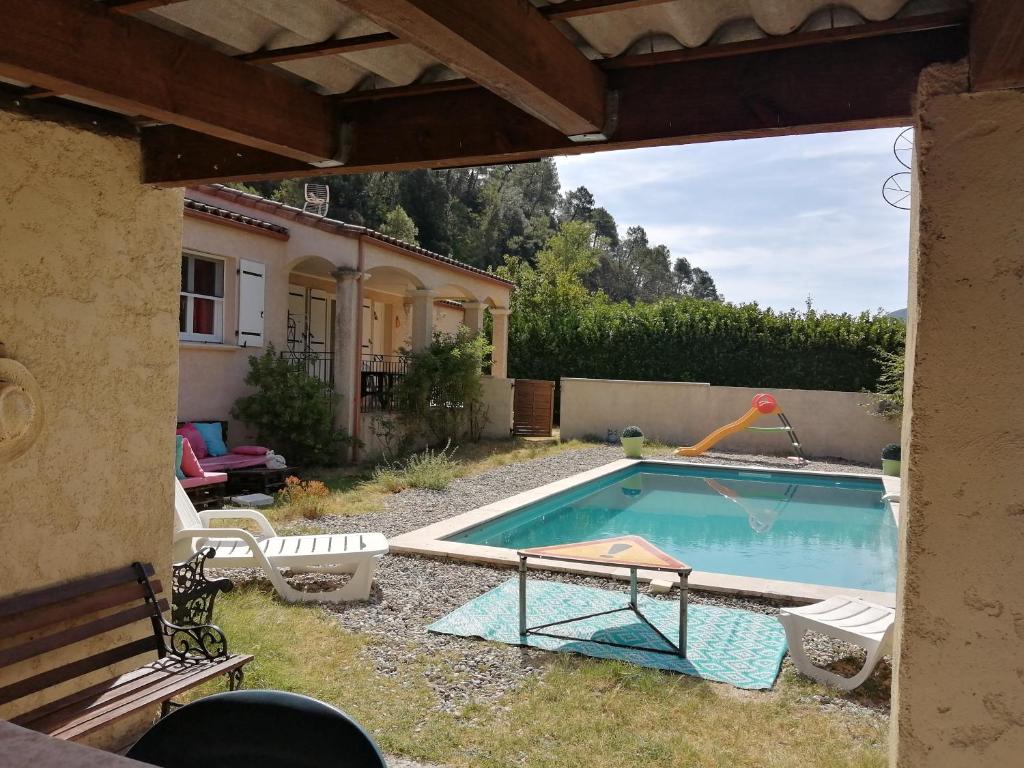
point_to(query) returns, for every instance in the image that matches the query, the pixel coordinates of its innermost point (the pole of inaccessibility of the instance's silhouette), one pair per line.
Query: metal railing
(319, 365)
(379, 375)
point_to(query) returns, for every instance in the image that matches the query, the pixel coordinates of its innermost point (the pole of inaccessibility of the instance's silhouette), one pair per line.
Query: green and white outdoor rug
(732, 646)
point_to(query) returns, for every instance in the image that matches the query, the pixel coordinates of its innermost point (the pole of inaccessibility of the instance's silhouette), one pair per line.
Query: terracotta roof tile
(336, 226)
(199, 206)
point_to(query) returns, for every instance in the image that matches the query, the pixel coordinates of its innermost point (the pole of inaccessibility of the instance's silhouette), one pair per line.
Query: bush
(632, 432)
(695, 340)
(291, 411)
(892, 452)
(889, 390)
(308, 498)
(430, 469)
(440, 398)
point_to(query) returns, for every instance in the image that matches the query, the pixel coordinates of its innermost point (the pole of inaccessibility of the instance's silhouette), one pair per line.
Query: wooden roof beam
(830, 86)
(78, 48)
(508, 48)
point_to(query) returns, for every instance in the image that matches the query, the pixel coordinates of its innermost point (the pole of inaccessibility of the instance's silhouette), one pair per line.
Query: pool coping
(430, 541)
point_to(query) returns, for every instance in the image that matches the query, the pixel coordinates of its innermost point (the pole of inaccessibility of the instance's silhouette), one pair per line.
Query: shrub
(892, 452)
(694, 340)
(632, 432)
(429, 469)
(889, 390)
(440, 398)
(291, 411)
(308, 498)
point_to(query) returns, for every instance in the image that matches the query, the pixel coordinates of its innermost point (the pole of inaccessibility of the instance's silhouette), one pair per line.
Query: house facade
(341, 300)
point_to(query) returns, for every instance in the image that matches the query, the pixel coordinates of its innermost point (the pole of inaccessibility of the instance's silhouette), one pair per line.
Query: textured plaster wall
(498, 399)
(959, 695)
(212, 375)
(88, 303)
(681, 413)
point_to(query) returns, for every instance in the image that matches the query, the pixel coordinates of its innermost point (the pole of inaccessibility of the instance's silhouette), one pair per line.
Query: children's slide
(762, 405)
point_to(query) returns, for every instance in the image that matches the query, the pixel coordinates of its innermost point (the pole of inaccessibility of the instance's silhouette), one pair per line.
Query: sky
(773, 220)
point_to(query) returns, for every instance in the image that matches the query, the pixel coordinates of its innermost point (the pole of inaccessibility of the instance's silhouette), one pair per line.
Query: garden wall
(497, 401)
(829, 424)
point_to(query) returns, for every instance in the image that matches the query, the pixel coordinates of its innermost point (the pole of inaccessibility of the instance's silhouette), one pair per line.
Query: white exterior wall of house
(297, 279)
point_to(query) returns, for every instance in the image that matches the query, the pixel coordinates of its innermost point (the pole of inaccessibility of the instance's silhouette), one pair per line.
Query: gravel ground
(413, 592)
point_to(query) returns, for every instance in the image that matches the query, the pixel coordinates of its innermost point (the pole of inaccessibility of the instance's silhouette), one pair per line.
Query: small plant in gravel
(308, 498)
(429, 469)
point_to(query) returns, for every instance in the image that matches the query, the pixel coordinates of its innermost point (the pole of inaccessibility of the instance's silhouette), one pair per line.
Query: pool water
(816, 529)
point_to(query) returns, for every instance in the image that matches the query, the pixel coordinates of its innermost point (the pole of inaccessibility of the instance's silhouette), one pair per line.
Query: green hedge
(693, 340)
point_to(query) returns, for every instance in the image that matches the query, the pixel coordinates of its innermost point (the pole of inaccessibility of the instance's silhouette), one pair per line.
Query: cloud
(773, 220)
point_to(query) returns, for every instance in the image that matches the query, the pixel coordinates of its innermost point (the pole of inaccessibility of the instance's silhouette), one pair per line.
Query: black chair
(257, 729)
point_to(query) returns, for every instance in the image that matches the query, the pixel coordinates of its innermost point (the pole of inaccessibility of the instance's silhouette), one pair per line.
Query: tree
(703, 287)
(397, 224)
(576, 205)
(485, 215)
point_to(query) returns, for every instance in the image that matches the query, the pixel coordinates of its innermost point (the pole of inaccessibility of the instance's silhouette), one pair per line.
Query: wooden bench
(35, 624)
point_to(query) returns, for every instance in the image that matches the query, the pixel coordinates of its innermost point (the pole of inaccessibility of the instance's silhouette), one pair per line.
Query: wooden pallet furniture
(126, 602)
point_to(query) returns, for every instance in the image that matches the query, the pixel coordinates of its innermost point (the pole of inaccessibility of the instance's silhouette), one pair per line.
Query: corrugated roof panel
(694, 22)
(241, 26)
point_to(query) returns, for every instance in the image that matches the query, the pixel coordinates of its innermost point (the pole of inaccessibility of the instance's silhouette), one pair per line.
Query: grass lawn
(577, 713)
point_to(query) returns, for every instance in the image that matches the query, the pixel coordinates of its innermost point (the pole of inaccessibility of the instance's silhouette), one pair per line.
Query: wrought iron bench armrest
(193, 592)
(202, 641)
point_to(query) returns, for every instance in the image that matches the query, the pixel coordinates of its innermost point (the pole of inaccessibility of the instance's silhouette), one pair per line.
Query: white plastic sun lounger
(846, 618)
(355, 553)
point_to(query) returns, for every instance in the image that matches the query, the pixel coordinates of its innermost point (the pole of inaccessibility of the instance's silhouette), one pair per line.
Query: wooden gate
(533, 408)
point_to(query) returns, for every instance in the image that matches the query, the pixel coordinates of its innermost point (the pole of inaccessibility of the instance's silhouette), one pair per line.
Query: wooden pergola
(500, 81)
(221, 90)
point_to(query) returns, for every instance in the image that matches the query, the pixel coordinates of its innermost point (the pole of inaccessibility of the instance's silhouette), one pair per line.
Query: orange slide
(762, 405)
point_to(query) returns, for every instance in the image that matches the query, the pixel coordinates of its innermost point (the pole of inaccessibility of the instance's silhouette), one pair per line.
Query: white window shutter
(251, 289)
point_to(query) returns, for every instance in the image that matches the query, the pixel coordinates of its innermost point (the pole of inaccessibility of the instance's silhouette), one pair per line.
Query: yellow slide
(762, 406)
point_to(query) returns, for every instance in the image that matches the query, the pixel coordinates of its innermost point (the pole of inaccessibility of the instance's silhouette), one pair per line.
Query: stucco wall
(89, 287)
(212, 375)
(959, 695)
(833, 424)
(498, 398)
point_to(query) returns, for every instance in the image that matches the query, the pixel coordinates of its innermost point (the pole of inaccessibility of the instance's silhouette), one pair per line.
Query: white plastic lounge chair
(355, 553)
(846, 618)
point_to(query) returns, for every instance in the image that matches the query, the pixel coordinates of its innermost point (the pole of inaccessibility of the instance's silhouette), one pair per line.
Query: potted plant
(632, 442)
(891, 460)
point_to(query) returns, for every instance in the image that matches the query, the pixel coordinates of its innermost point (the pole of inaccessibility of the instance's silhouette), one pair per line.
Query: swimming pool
(832, 530)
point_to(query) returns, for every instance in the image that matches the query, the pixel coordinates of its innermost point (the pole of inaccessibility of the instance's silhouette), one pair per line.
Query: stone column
(958, 693)
(499, 340)
(422, 319)
(347, 346)
(473, 315)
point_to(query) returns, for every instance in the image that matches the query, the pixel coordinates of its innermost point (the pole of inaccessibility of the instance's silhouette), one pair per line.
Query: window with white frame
(202, 299)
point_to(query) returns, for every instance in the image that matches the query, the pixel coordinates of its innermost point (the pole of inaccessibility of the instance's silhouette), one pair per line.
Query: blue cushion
(213, 438)
(179, 444)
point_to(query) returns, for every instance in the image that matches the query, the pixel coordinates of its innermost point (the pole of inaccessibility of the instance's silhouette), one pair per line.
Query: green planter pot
(633, 446)
(891, 467)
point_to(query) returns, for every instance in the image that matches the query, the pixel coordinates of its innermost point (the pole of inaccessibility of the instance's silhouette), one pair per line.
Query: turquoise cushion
(179, 445)
(213, 438)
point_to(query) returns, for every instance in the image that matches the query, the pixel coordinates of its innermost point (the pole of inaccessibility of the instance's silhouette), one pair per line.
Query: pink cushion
(189, 462)
(250, 450)
(191, 434)
(207, 478)
(231, 461)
